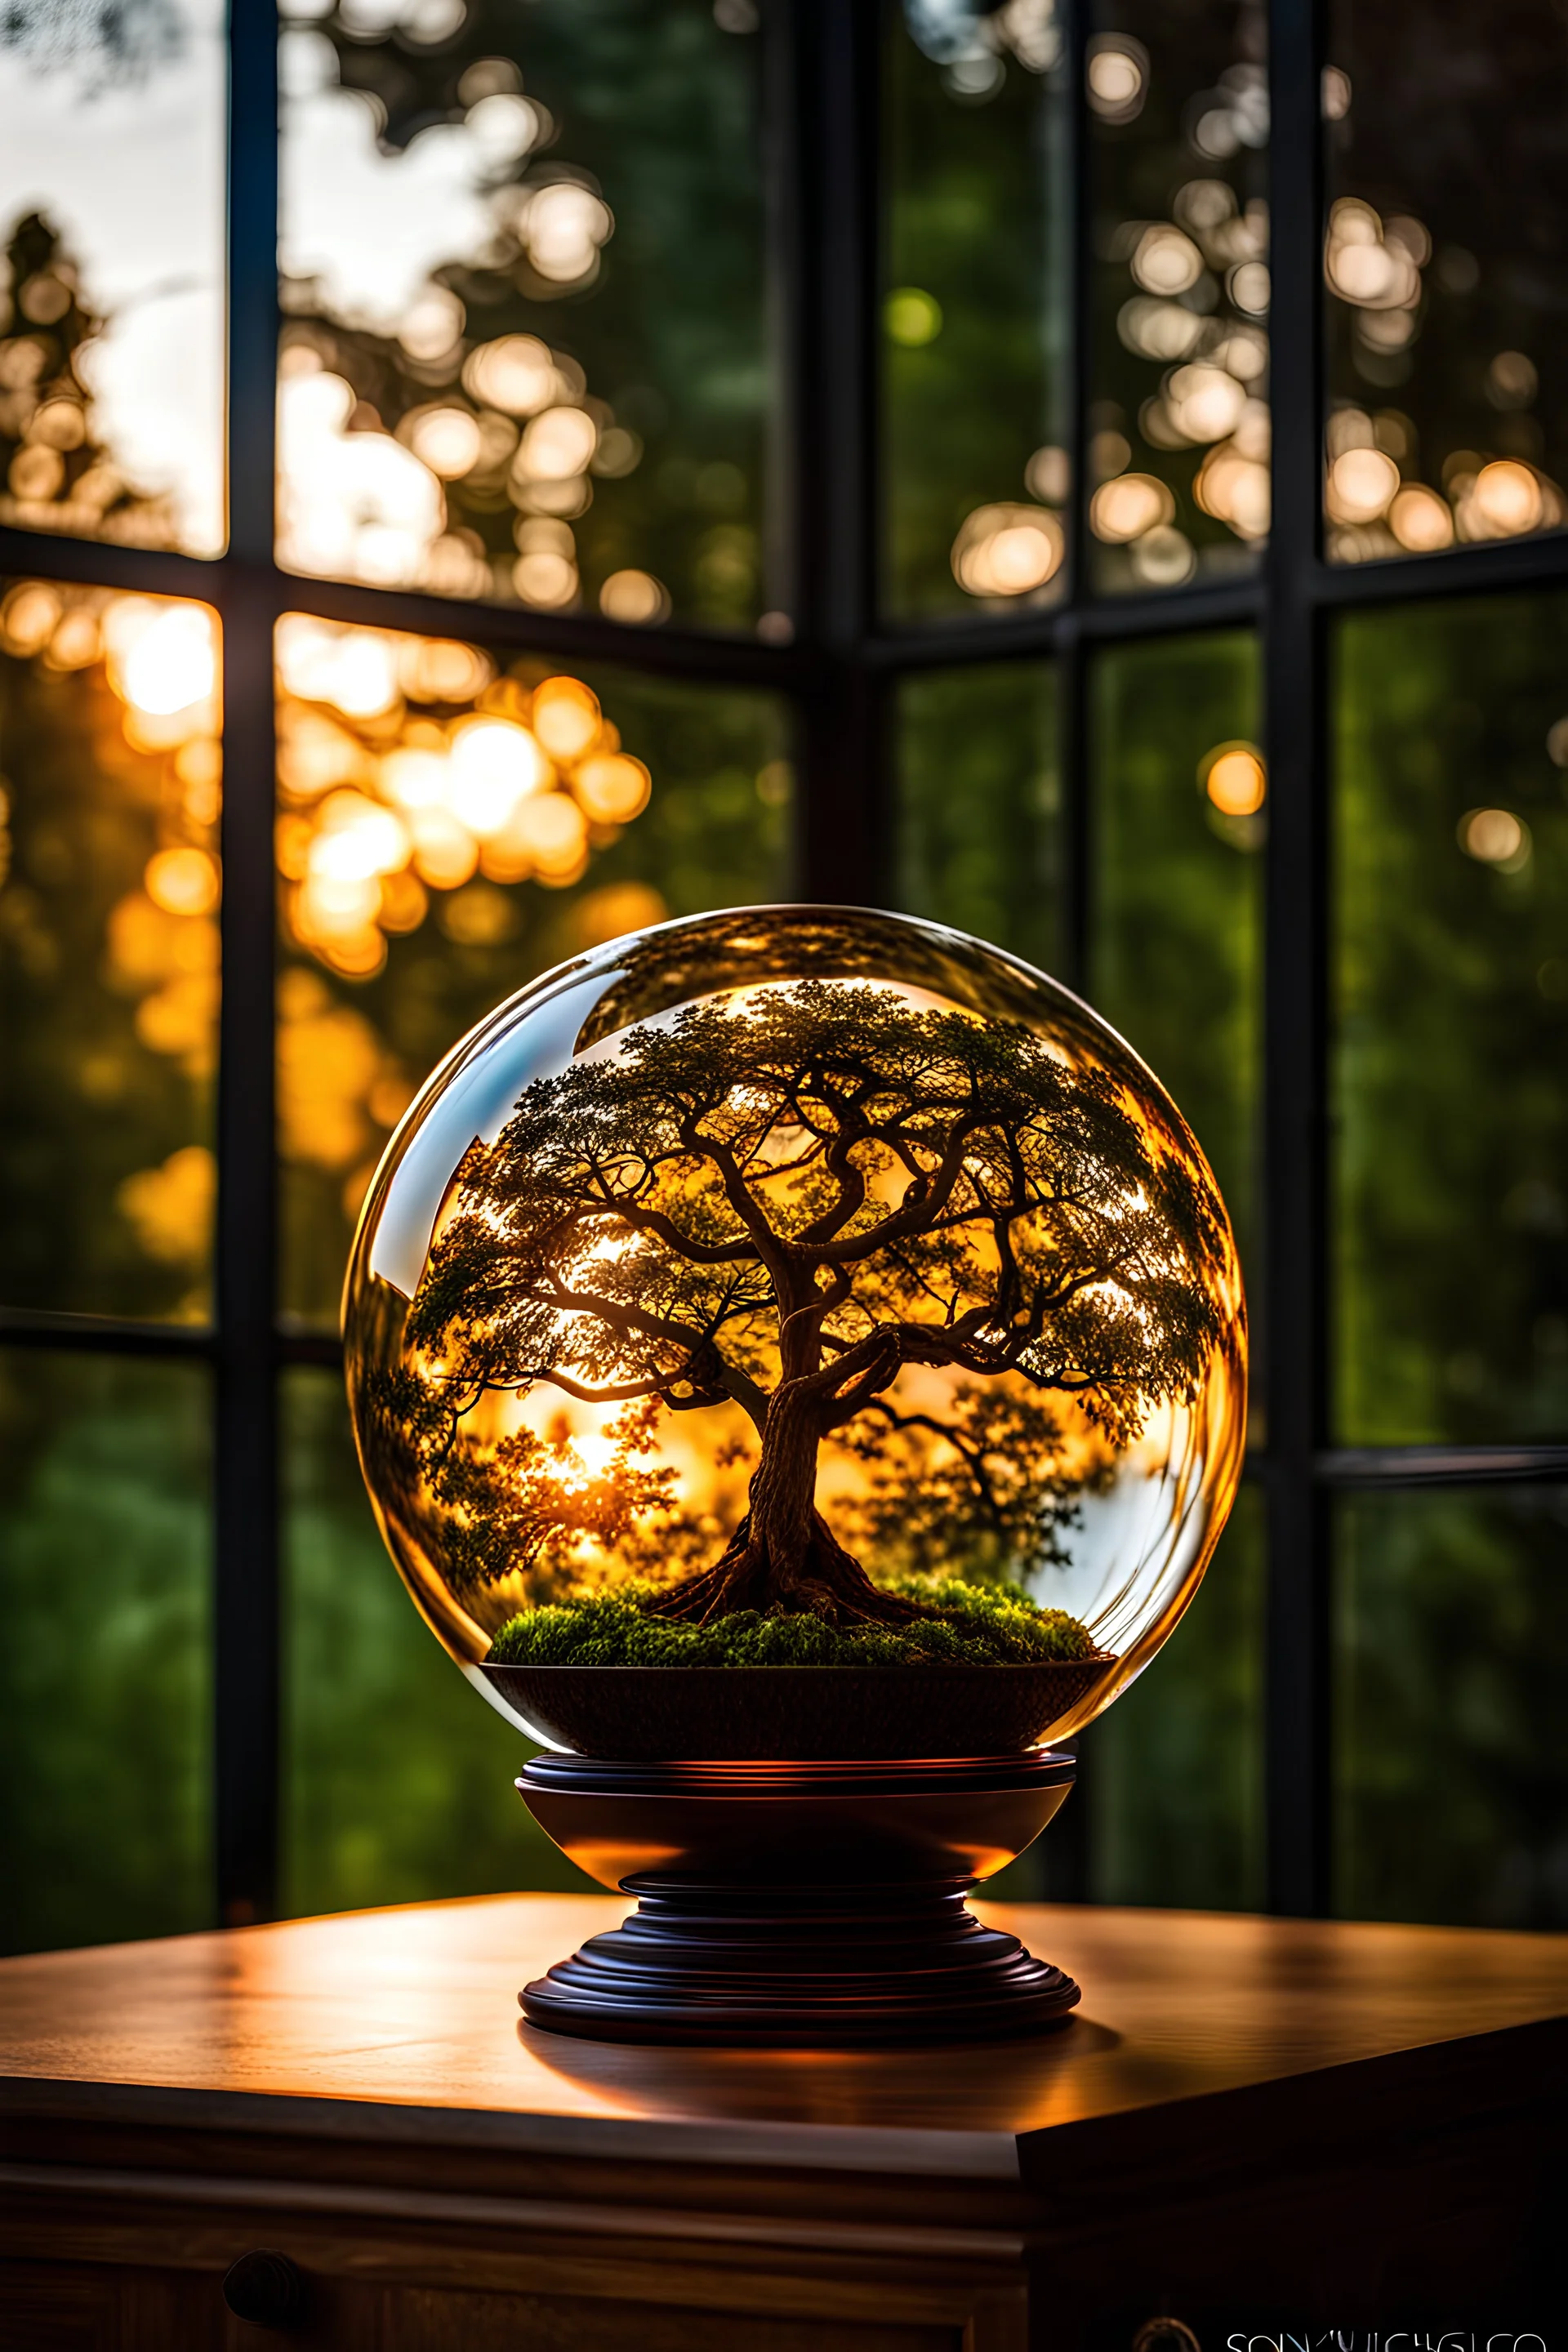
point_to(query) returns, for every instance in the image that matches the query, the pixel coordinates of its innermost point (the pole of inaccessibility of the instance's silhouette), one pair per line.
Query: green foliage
(106, 1668)
(975, 1625)
(85, 1102)
(1177, 959)
(1136, 165)
(973, 222)
(1450, 988)
(1451, 1737)
(977, 816)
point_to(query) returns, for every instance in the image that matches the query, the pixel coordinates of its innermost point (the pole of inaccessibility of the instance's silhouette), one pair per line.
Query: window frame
(822, 68)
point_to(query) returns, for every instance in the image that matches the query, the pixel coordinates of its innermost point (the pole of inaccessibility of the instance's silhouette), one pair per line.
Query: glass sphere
(784, 1260)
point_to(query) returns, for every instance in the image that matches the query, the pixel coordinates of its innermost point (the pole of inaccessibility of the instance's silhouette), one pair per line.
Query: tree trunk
(784, 1555)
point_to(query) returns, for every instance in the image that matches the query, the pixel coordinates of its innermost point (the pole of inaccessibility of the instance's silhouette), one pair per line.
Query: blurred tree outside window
(976, 472)
(977, 811)
(109, 950)
(1451, 1643)
(112, 202)
(526, 353)
(1451, 1004)
(1179, 433)
(1447, 419)
(106, 1684)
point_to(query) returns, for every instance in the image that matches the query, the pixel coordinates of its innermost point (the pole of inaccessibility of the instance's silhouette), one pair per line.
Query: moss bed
(976, 1625)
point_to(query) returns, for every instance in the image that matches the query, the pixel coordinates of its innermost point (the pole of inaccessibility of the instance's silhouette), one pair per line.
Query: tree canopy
(784, 1200)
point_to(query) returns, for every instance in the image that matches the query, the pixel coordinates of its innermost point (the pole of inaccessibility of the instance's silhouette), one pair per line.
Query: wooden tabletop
(404, 2023)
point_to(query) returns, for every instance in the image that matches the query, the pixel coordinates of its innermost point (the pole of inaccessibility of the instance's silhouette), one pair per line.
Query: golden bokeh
(1009, 551)
(1374, 498)
(386, 803)
(1236, 780)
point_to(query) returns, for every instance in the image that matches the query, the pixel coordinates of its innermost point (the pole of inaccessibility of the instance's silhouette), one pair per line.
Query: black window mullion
(246, 1679)
(1292, 1320)
(1071, 652)
(1067, 1857)
(843, 711)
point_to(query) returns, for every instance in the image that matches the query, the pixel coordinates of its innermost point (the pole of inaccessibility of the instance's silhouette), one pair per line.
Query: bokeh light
(1362, 484)
(1116, 77)
(634, 597)
(1386, 273)
(1495, 836)
(1008, 551)
(1129, 505)
(410, 772)
(912, 317)
(459, 365)
(1234, 780)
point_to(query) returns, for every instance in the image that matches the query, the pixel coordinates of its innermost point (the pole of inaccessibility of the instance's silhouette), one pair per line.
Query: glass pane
(109, 950)
(112, 224)
(973, 312)
(1451, 1740)
(1451, 984)
(1178, 420)
(977, 804)
(105, 1675)
(448, 828)
(525, 351)
(1448, 339)
(1177, 827)
(398, 1777)
(1173, 1776)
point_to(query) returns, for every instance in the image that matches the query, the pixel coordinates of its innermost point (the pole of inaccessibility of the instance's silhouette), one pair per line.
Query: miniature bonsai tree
(781, 1200)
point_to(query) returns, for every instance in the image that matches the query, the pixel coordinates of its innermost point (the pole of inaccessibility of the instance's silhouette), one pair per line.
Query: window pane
(978, 800)
(105, 1679)
(109, 950)
(1178, 421)
(525, 352)
(112, 205)
(398, 1777)
(448, 828)
(1451, 1627)
(1177, 829)
(973, 312)
(1173, 1776)
(1451, 979)
(1448, 340)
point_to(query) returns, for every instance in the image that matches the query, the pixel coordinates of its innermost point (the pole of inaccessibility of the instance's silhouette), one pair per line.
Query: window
(1091, 474)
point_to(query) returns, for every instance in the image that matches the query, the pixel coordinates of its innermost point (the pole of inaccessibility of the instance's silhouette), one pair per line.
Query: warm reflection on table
(418, 2007)
(1311, 2116)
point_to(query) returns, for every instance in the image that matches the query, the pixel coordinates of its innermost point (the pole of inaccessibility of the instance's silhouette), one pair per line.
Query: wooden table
(1250, 2122)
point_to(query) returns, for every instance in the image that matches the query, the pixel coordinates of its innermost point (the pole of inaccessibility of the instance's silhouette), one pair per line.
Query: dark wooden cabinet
(1250, 2123)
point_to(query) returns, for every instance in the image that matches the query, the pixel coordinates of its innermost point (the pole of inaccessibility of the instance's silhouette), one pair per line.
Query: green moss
(977, 1625)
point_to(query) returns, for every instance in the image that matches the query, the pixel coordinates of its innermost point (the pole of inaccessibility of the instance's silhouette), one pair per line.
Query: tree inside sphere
(798, 1286)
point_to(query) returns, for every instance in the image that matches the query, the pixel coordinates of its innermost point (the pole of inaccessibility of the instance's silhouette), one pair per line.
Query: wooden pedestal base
(818, 1906)
(799, 1968)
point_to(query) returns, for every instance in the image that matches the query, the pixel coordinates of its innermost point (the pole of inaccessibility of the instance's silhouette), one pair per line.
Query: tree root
(827, 1581)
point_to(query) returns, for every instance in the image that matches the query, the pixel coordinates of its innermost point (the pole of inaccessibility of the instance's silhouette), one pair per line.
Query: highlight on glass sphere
(797, 1288)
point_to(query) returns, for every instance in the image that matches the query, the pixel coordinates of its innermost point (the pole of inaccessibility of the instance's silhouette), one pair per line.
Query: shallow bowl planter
(690, 1715)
